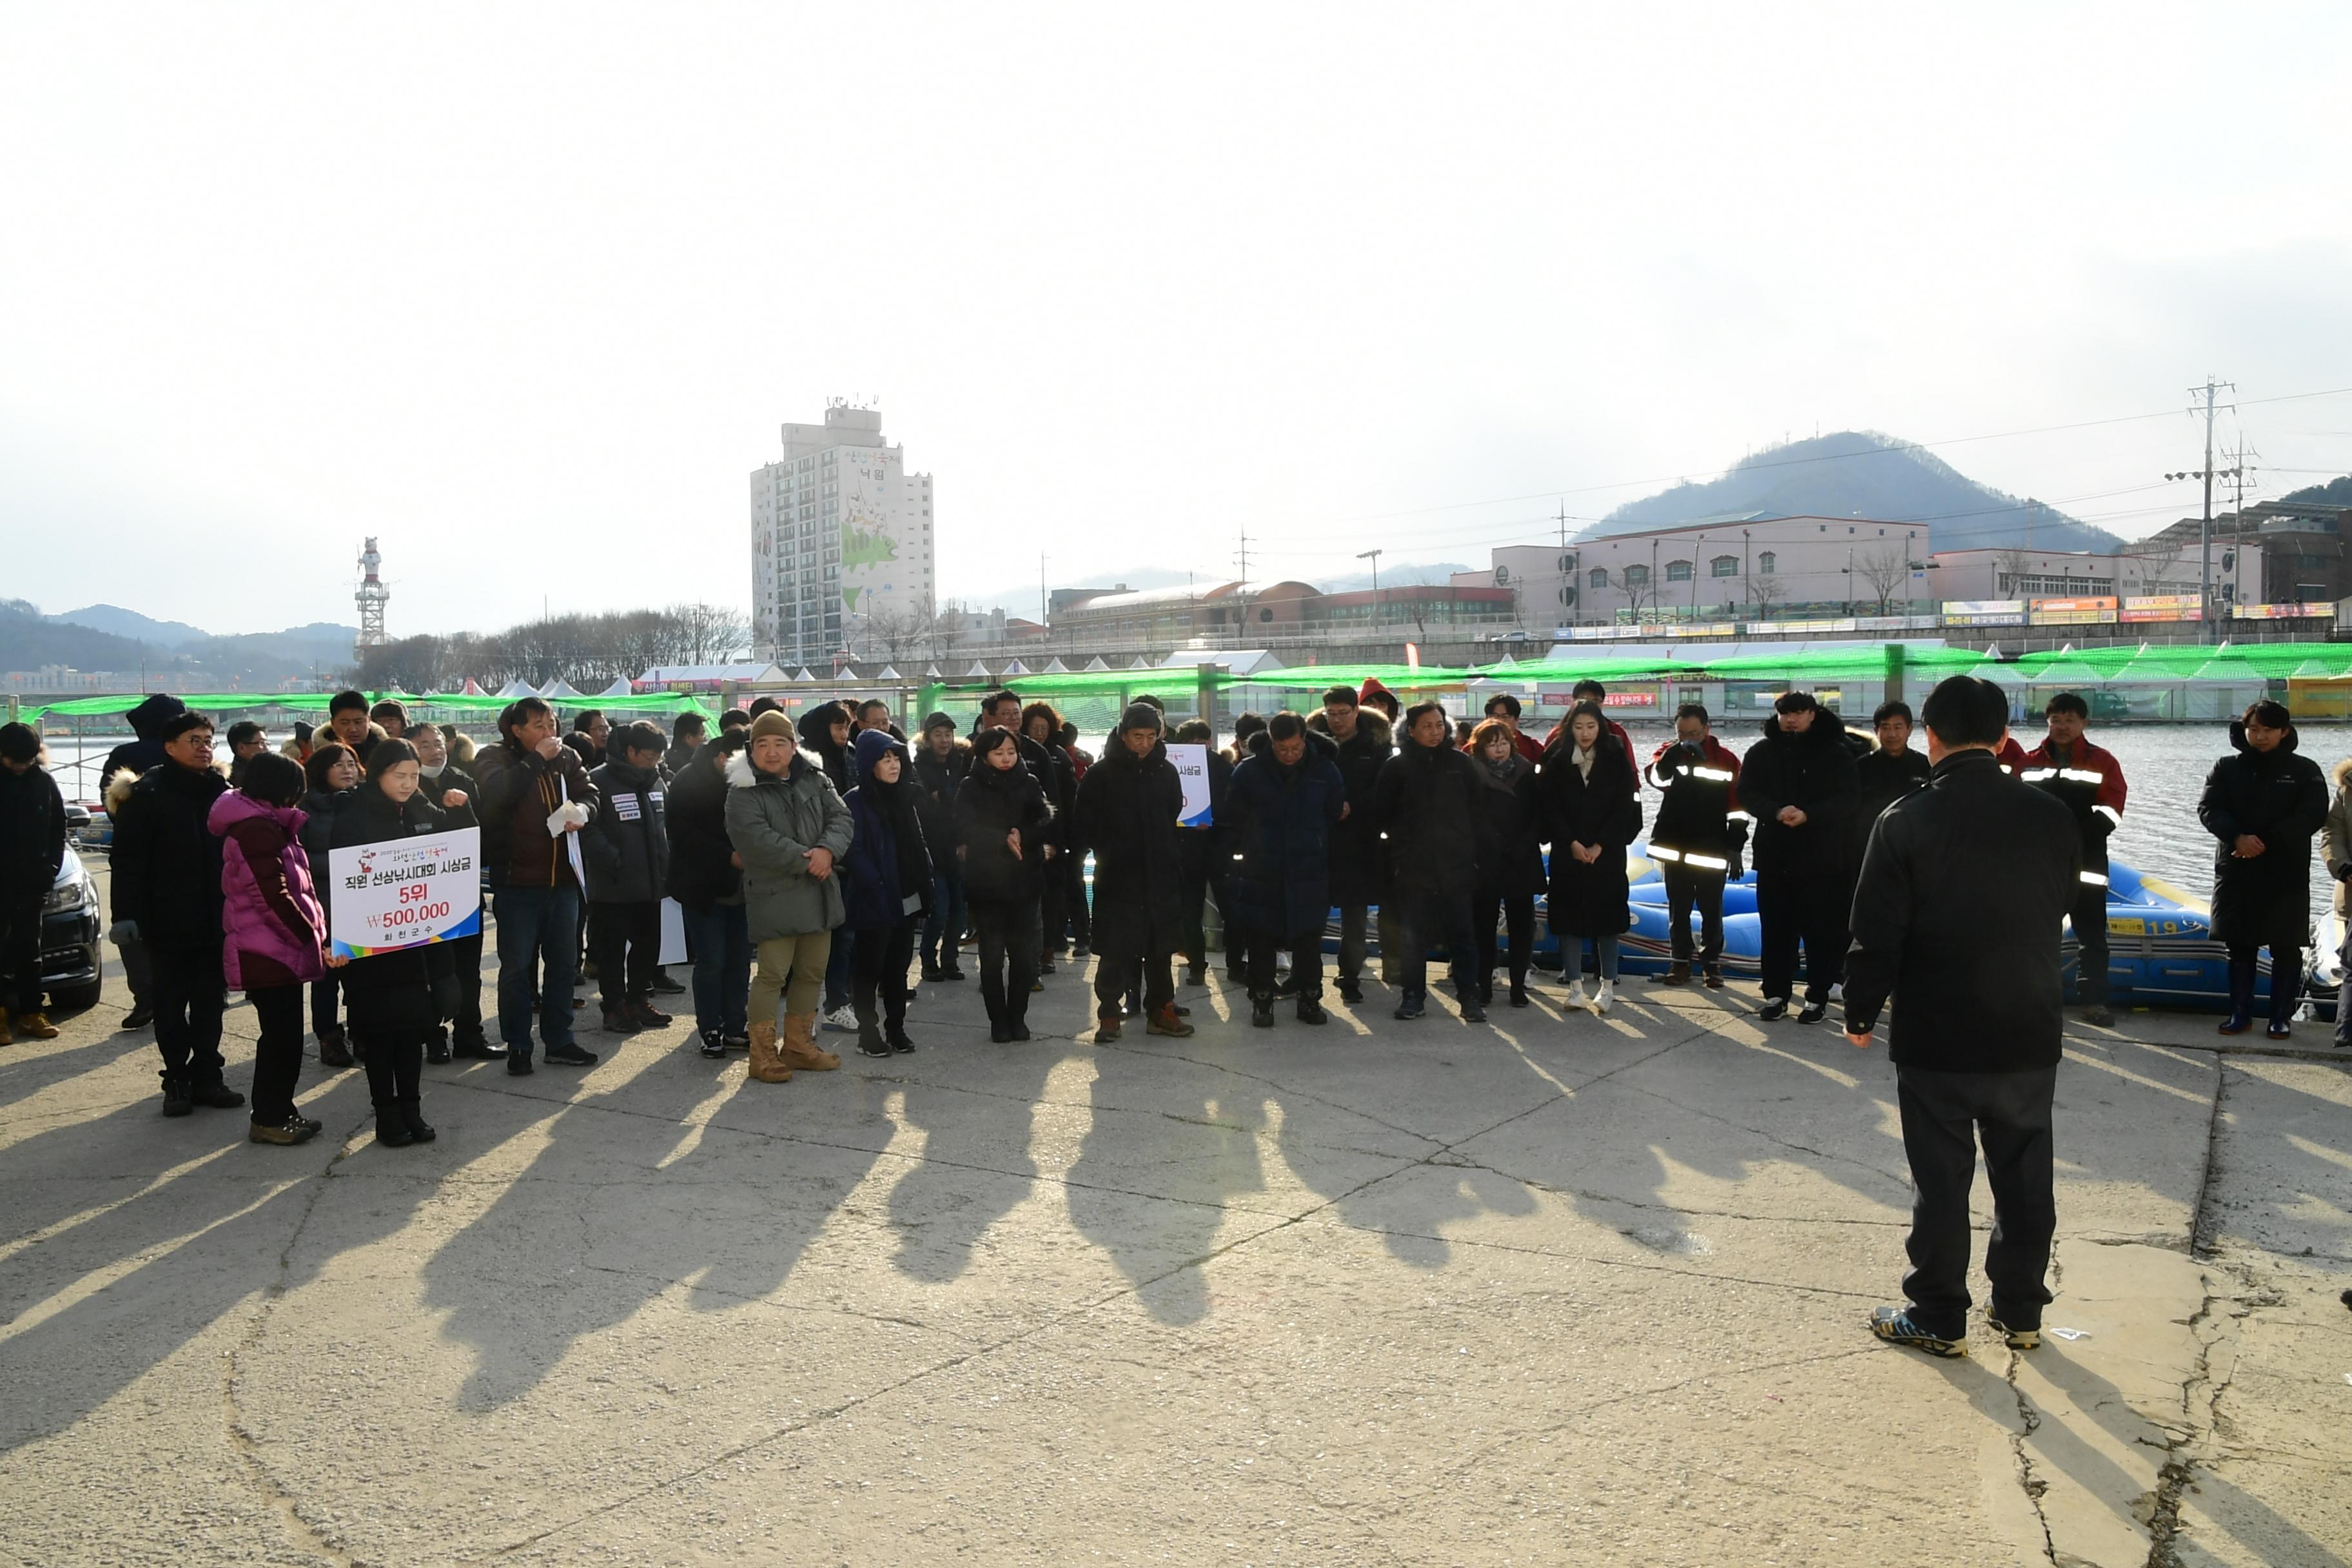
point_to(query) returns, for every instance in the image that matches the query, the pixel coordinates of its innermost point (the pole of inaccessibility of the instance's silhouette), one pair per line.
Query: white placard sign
(1191, 760)
(406, 892)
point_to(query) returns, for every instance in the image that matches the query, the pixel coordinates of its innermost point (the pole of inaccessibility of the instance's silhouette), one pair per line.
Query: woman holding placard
(395, 1000)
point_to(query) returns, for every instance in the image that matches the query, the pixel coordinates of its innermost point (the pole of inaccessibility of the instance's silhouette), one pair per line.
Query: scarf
(1582, 757)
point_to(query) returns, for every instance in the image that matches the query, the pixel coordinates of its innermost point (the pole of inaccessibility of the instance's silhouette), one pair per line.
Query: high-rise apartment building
(841, 539)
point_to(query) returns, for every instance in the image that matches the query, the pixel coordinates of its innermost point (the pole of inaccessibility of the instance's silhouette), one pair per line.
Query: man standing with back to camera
(1963, 889)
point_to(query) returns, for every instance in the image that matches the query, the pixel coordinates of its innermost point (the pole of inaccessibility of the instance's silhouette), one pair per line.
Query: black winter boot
(2242, 997)
(870, 1039)
(391, 1126)
(334, 1047)
(176, 1097)
(412, 1116)
(1262, 1010)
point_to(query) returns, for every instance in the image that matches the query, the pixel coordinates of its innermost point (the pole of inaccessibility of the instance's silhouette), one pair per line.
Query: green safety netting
(316, 702)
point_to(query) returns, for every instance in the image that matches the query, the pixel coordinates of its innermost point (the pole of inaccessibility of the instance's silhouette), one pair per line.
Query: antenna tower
(370, 598)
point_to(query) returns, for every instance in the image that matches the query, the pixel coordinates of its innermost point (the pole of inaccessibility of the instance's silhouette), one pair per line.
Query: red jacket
(2012, 756)
(2091, 786)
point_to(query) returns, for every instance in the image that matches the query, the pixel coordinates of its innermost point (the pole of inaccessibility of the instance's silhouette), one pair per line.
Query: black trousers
(1116, 975)
(1355, 921)
(466, 954)
(189, 996)
(1686, 888)
(325, 1004)
(881, 975)
(1813, 910)
(1430, 918)
(1010, 937)
(1074, 897)
(277, 1058)
(20, 956)
(1195, 877)
(1944, 1115)
(623, 941)
(2090, 918)
(1517, 911)
(1305, 962)
(395, 1065)
(1052, 913)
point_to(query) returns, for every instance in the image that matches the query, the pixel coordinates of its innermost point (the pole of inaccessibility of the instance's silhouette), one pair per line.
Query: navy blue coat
(1284, 819)
(887, 861)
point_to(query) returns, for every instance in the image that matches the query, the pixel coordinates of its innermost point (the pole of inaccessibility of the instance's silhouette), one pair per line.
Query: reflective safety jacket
(2090, 783)
(1699, 825)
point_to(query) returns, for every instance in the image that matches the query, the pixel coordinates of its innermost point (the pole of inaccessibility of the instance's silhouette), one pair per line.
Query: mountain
(122, 622)
(29, 641)
(1861, 473)
(2334, 492)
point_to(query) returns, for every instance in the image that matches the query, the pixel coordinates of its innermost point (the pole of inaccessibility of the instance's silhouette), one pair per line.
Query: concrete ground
(1559, 1289)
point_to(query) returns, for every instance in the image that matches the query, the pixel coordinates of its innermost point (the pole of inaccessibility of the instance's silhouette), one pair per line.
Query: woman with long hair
(1591, 816)
(1001, 820)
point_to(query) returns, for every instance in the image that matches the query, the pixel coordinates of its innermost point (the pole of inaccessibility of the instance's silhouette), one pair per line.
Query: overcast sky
(526, 290)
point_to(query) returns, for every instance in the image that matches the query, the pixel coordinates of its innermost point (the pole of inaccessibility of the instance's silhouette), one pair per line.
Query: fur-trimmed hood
(2341, 773)
(1370, 722)
(742, 775)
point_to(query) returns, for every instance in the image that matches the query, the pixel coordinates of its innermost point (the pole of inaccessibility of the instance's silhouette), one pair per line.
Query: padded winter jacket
(773, 820)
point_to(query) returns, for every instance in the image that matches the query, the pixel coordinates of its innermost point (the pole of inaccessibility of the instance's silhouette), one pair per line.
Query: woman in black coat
(1001, 819)
(1509, 821)
(1593, 816)
(2263, 805)
(396, 999)
(707, 879)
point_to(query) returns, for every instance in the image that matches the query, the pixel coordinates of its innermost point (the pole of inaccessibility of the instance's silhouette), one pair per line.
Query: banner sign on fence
(2302, 612)
(1191, 760)
(1984, 612)
(406, 892)
(2160, 607)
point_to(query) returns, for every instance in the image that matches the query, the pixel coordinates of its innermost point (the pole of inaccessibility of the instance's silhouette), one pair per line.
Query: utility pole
(1563, 525)
(1042, 620)
(1243, 557)
(2205, 529)
(1374, 557)
(2238, 472)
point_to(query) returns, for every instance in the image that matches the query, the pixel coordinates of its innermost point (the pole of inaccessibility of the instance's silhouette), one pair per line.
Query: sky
(526, 290)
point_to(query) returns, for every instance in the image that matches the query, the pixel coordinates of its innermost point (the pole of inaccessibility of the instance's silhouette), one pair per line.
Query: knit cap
(772, 722)
(1140, 715)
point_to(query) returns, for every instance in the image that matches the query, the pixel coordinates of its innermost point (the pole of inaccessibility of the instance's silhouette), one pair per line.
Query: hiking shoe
(901, 1041)
(1166, 1021)
(1774, 1011)
(647, 1016)
(293, 1130)
(2098, 1016)
(334, 1047)
(1106, 1030)
(663, 985)
(617, 1021)
(714, 1045)
(1410, 1007)
(2016, 1339)
(1311, 1011)
(569, 1057)
(215, 1094)
(1677, 973)
(1713, 979)
(1473, 1013)
(517, 1065)
(1351, 991)
(1261, 1012)
(175, 1097)
(1893, 1325)
(1814, 1012)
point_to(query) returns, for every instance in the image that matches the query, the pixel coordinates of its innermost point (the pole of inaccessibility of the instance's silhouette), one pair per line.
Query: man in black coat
(32, 852)
(462, 1035)
(1798, 782)
(1362, 736)
(135, 757)
(1287, 800)
(1962, 894)
(942, 762)
(166, 892)
(1426, 801)
(1126, 812)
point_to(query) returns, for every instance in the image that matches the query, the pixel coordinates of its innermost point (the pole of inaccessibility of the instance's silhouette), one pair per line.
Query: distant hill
(130, 624)
(29, 641)
(1861, 473)
(2334, 492)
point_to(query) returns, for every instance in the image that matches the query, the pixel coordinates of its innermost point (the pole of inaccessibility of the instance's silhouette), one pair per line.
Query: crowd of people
(825, 866)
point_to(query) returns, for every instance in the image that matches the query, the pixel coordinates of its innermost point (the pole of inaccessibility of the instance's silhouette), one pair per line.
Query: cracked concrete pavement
(1557, 1290)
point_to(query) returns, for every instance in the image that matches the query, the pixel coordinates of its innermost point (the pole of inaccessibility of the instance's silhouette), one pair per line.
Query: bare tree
(1641, 592)
(2008, 570)
(1765, 594)
(1886, 569)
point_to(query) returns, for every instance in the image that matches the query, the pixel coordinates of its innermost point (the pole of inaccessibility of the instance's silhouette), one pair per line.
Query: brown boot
(37, 1027)
(1677, 973)
(1106, 1030)
(1166, 1021)
(799, 1048)
(5, 1038)
(765, 1067)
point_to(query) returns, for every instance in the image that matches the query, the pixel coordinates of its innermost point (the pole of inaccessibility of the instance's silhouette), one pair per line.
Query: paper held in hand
(1191, 760)
(406, 892)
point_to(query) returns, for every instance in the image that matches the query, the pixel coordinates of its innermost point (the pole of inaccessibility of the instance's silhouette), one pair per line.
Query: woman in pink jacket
(273, 931)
